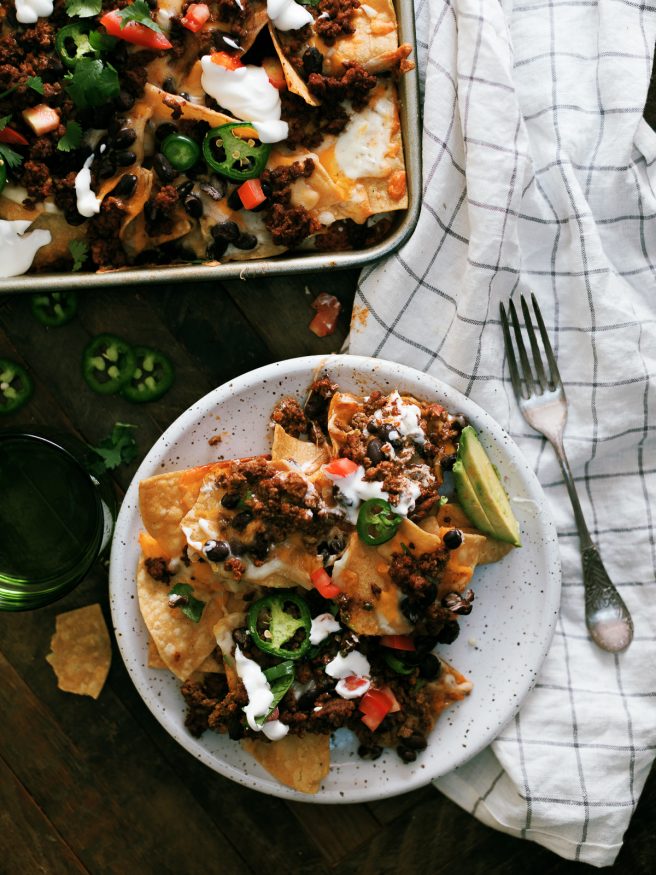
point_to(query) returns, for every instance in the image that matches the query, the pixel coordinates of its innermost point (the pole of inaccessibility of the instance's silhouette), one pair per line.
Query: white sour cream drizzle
(28, 11)
(354, 490)
(260, 697)
(18, 251)
(288, 15)
(248, 94)
(406, 421)
(354, 664)
(87, 203)
(323, 626)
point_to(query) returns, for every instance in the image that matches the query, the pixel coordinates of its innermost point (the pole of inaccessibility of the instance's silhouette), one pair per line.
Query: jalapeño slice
(16, 386)
(72, 44)
(377, 522)
(274, 623)
(108, 362)
(181, 151)
(151, 378)
(54, 308)
(235, 151)
(3, 174)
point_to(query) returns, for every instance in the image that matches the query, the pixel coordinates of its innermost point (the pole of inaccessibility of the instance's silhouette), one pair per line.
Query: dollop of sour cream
(260, 697)
(87, 203)
(248, 94)
(28, 11)
(18, 249)
(323, 626)
(288, 15)
(354, 489)
(354, 665)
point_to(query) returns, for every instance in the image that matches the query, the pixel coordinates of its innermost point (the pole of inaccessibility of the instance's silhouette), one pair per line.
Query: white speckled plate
(502, 643)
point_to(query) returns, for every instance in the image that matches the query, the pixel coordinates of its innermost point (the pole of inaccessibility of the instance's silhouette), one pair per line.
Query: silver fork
(542, 401)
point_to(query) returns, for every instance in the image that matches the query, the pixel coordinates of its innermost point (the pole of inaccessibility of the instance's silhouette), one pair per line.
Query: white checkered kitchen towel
(540, 174)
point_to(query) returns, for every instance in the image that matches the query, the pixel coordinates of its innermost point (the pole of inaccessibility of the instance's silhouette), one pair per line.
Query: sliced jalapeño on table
(151, 378)
(108, 363)
(16, 387)
(53, 309)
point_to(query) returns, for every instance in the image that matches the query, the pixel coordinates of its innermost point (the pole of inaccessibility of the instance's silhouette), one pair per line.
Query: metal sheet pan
(299, 263)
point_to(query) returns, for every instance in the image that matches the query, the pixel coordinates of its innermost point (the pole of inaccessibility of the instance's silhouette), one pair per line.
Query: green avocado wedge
(480, 492)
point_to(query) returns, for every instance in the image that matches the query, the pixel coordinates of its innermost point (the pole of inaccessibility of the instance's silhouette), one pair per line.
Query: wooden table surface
(98, 786)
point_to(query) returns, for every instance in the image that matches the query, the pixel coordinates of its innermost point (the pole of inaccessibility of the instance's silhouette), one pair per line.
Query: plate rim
(150, 465)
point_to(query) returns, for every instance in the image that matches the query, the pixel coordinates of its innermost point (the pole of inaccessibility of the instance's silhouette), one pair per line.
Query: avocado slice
(483, 481)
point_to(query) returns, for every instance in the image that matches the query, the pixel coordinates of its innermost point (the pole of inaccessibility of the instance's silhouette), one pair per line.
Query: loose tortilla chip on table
(81, 651)
(299, 762)
(182, 644)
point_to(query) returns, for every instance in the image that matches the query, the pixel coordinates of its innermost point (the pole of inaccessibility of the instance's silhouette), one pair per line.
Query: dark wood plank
(27, 837)
(387, 810)
(337, 830)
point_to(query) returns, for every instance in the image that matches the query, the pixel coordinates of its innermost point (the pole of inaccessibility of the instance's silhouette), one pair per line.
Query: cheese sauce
(361, 150)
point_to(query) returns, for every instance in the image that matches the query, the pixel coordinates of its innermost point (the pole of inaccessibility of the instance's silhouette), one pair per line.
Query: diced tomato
(251, 194)
(224, 59)
(328, 309)
(274, 71)
(375, 706)
(353, 682)
(394, 702)
(323, 584)
(341, 467)
(133, 32)
(12, 138)
(398, 642)
(42, 119)
(195, 16)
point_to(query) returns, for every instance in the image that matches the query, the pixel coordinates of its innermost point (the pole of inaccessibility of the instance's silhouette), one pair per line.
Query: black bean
(428, 595)
(169, 85)
(407, 755)
(234, 201)
(184, 95)
(102, 142)
(242, 519)
(225, 42)
(163, 131)
(449, 461)
(371, 752)
(226, 231)
(185, 188)
(389, 432)
(193, 206)
(217, 249)
(124, 138)
(415, 742)
(73, 217)
(315, 405)
(246, 241)
(458, 422)
(449, 633)
(126, 186)
(410, 610)
(230, 500)
(312, 61)
(115, 125)
(373, 426)
(425, 643)
(430, 667)
(336, 545)
(236, 547)
(216, 551)
(260, 546)
(107, 167)
(235, 729)
(124, 100)
(125, 158)
(163, 168)
(452, 539)
(375, 451)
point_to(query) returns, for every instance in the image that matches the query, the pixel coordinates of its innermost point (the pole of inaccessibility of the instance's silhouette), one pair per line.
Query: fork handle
(584, 534)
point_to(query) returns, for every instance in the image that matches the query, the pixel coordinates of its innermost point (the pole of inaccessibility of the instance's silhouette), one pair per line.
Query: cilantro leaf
(79, 250)
(11, 158)
(119, 448)
(4, 121)
(139, 12)
(71, 139)
(182, 596)
(92, 83)
(83, 8)
(36, 84)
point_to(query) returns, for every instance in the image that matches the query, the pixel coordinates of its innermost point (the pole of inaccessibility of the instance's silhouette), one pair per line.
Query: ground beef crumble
(339, 20)
(289, 415)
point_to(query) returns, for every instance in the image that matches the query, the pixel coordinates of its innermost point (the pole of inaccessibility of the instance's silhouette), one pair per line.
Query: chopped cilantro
(139, 12)
(79, 251)
(118, 448)
(92, 83)
(309, 2)
(7, 154)
(83, 8)
(71, 139)
(182, 596)
(36, 84)
(101, 42)
(4, 121)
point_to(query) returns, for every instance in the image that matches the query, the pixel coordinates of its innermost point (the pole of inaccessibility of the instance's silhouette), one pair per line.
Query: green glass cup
(56, 517)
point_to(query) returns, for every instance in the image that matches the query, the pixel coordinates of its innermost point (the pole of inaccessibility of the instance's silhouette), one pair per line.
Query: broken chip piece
(81, 651)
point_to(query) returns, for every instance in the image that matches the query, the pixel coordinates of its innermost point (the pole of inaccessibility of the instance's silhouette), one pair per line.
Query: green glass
(55, 517)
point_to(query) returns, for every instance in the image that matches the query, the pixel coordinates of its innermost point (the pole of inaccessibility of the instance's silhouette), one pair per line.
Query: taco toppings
(310, 590)
(166, 132)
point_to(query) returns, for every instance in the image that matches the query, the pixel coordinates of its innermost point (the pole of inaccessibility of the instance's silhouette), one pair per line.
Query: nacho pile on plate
(136, 133)
(307, 590)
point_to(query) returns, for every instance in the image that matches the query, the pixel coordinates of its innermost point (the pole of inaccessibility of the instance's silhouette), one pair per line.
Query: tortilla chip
(308, 456)
(154, 659)
(451, 515)
(182, 644)
(163, 501)
(450, 687)
(299, 762)
(294, 82)
(81, 651)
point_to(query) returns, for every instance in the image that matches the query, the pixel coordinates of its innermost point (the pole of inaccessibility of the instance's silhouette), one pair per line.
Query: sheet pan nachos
(145, 132)
(309, 590)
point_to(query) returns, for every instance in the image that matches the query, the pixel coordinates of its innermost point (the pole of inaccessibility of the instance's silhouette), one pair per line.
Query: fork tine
(551, 358)
(537, 355)
(510, 352)
(528, 375)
